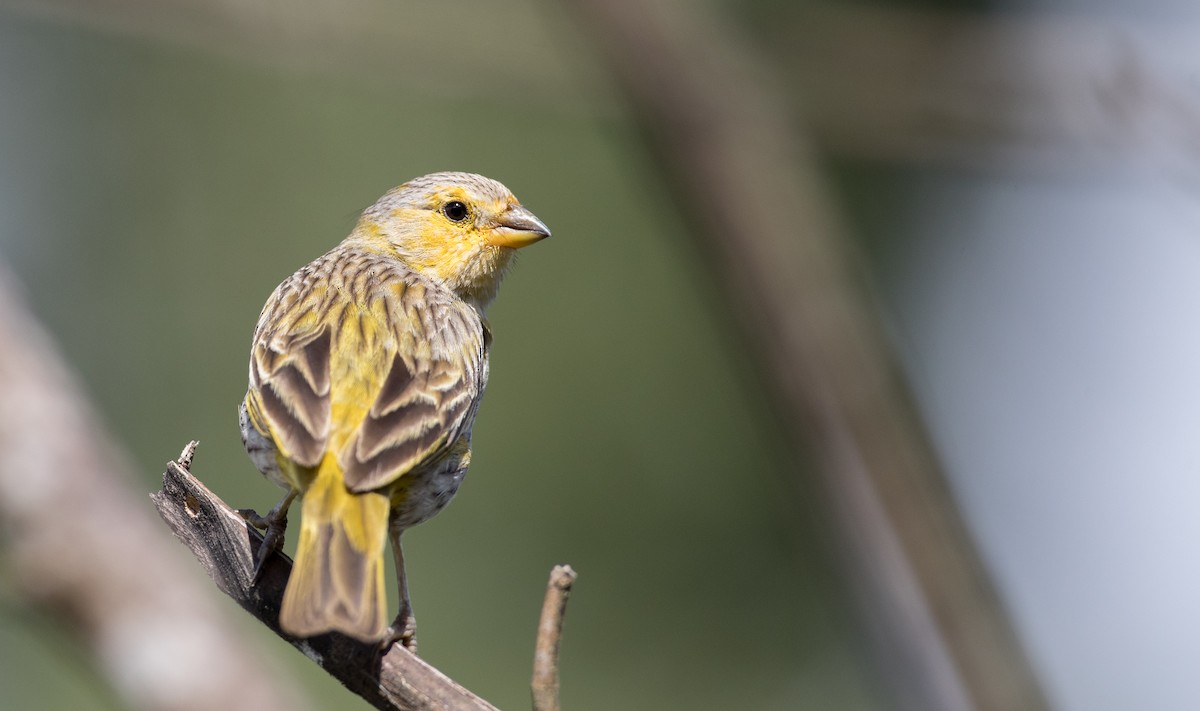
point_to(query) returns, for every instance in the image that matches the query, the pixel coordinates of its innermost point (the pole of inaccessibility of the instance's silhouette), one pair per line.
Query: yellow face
(459, 228)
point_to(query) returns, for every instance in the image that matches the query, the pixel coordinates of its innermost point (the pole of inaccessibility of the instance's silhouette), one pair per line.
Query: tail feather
(337, 580)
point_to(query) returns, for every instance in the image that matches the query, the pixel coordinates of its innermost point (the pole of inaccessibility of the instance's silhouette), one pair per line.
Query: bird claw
(402, 630)
(253, 518)
(273, 526)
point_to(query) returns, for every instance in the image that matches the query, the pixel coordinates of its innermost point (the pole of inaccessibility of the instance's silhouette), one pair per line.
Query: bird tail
(337, 579)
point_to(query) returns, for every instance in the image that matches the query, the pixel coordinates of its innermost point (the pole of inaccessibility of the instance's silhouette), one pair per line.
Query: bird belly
(261, 449)
(421, 493)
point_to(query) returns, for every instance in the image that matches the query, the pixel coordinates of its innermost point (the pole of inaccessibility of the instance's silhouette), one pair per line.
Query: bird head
(460, 229)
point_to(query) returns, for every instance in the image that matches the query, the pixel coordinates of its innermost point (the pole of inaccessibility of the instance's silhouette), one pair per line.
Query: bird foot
(402, 630)
(273, 526)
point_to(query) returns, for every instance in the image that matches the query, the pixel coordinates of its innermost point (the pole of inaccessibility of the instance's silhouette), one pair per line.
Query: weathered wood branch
(226, 547)
(718, 123)
(81, 545)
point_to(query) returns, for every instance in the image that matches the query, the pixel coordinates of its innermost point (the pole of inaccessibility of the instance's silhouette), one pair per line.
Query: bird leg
(273, 526)
(404, 627)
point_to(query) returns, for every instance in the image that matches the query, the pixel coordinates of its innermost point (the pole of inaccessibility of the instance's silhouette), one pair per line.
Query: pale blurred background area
(1023, 178)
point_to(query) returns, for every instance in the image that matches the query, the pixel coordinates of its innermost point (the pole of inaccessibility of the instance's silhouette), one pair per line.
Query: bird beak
(516, 228)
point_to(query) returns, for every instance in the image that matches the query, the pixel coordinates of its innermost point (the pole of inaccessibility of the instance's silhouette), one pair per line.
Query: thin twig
(545, 655)
(226, 547)
(761, 214)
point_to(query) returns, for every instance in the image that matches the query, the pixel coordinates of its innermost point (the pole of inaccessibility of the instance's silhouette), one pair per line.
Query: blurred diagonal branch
(1015, 91)
(1034, 92)
(377, 42)
(227, 547)
(84, 547)
(717, 123)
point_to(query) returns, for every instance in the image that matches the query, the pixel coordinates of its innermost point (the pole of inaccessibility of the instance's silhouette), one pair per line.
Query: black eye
(455, 210)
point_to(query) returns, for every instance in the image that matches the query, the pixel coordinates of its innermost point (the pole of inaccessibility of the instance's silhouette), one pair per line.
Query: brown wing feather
(420, 410)
(425, 401)
(289, 377)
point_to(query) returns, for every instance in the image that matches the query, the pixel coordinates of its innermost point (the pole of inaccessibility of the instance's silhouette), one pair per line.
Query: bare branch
(357, 40)
(545, 655)
(762, 216)
(1030, 92)
(1025, 91)
(85, 548)
(226, 547)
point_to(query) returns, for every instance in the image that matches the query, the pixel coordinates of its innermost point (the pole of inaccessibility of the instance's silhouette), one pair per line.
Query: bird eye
(455, 210)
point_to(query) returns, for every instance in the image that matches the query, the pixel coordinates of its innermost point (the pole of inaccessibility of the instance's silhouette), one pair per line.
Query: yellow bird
(366, 371)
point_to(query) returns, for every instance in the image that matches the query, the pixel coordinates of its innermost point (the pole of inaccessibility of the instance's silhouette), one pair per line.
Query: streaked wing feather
(289, 373)
(422, 405)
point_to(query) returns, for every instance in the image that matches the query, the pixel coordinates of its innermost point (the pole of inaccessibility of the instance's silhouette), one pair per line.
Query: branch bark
(84, 548)
(715, 119)
(545, 655)
(226, 547)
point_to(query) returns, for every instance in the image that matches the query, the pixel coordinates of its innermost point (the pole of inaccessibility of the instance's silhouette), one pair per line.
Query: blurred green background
(153, 193)
(1021, 172)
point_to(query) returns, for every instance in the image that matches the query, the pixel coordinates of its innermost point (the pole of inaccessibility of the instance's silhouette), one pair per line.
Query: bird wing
(429, 387)
(382, 369)
(290, 371)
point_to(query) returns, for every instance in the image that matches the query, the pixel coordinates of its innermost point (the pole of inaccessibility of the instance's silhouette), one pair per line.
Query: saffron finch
(366, 371)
